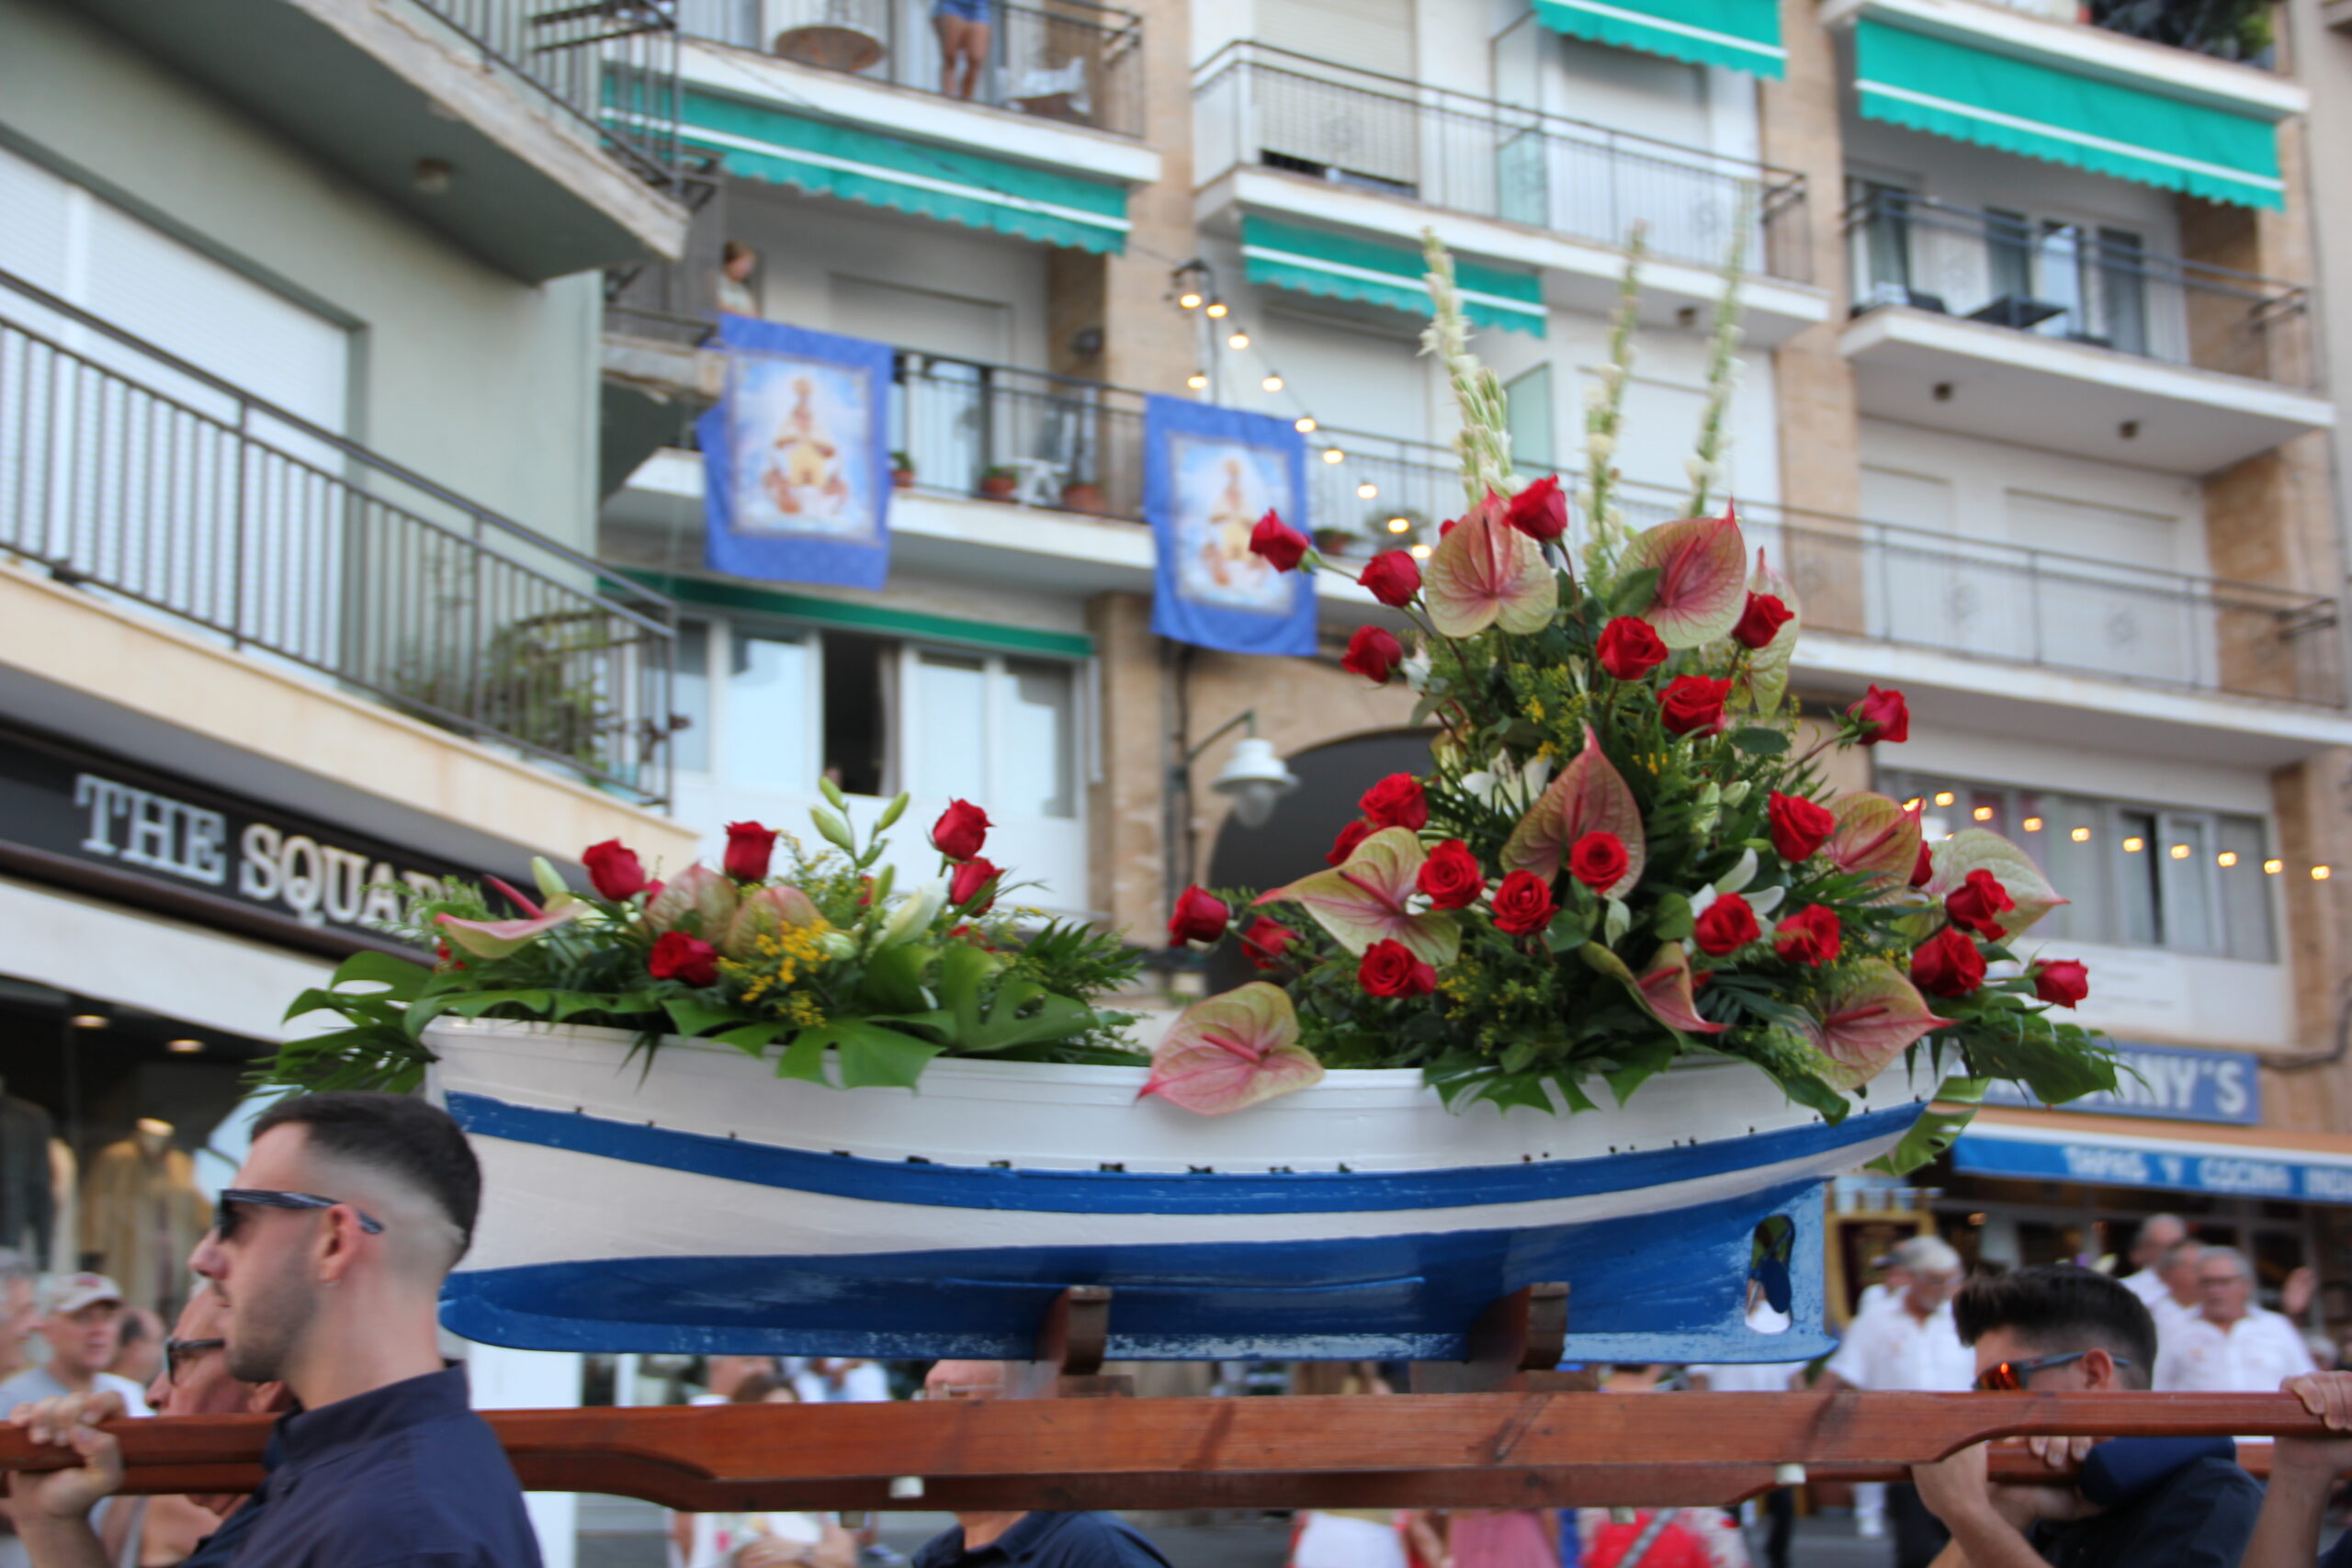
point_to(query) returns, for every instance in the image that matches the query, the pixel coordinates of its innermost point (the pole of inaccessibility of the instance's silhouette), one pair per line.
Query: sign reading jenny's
(64, 804)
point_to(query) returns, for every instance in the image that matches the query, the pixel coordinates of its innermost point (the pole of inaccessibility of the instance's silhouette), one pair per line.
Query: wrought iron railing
(1066, 60)
(134, 475)
(611, 64)
(1257, 104)
(2083, 283)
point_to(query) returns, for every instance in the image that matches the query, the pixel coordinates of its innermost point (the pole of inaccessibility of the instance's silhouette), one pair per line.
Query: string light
(1420, 552)
(2032, 824)
(1272, 383)
(1188, 301)
(1332, 454)
(2320, 874)
(2133, 846)
(1913, 803)
(1399, 525)
(1239, 339)
(90, 1021)
(1943, 797)
(1368, 491)
(2226, 858)
(1196, 380)
(1303, 423)
(1217, 308)
(1983, 813)
(2273, 867)
(2081, 835)
(184, 1047)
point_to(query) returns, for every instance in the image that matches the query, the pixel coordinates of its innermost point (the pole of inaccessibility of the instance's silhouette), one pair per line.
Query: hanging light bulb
(1368, 491)
(1399, 525)
(1217, 308)
(1196, 380)
(1272, 383)
(1239, 339)
(1332, 454)
(1303, 423)
(1420, 552)
(1189, 300)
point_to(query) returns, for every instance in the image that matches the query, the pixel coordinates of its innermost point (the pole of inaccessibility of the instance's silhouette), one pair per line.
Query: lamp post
(1254, 779)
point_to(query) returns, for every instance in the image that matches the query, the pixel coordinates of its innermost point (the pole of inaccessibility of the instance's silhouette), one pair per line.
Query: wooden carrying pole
(1505, 1450)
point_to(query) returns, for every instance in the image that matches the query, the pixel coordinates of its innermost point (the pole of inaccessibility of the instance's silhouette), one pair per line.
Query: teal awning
(1345, 267)
(1742, 34)
(834, 157)
(2044, 105)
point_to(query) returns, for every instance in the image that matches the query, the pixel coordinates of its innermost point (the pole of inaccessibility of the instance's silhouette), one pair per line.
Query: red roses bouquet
(1624, 849)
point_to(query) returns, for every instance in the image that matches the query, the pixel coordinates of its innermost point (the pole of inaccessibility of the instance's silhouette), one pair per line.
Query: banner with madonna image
(796, 456)
(1209, 474)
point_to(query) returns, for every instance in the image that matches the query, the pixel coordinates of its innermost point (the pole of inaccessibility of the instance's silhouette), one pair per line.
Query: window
(2138, 876)
(1530, 407)
(1884, 263)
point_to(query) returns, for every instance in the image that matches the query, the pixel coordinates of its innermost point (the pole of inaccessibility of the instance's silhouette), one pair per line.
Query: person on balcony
(962, 28)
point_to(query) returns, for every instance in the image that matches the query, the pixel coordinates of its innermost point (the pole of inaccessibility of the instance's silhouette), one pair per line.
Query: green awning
(834, 157)
(1742, 34)
(1344, 266)
(2045, 106)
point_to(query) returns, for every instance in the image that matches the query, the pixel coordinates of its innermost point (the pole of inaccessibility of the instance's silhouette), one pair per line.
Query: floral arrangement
(1625, 851)
(820, 962)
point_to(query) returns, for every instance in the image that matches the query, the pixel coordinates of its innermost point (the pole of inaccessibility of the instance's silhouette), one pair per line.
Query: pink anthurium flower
(1664, 988)
(1487, 573)
(501, 938)
(699, 891)
(765, 913)
(1874, 837)
(1869, 1020)
(1589, 797)
(1368, 899)
(1702, 566)
(1974, 849)
(1232, 1051)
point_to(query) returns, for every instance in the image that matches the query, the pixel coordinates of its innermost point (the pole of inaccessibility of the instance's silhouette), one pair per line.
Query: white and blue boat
(700, 1204)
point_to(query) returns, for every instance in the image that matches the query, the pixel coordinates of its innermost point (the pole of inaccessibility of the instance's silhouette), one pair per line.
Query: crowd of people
(323, 1267)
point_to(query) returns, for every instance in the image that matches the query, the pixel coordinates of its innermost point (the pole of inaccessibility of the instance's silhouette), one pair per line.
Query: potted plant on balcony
(1338, 541)
(1084, 495)
(902, 471)
(998, 481)
(1623, 909)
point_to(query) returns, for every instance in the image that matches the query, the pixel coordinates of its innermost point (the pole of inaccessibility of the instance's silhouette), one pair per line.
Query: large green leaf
(1934, 1132)
(893, 981)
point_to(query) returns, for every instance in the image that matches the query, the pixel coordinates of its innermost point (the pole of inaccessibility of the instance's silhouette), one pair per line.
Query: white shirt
(38, 1383)
(1875, 1298)
(2249, 1356)
(1893, 1350)
(2148, 1285)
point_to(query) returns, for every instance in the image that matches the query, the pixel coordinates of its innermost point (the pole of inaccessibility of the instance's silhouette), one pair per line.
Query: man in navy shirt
(1031, 1540)
(328, 1256)
(2303, 1474)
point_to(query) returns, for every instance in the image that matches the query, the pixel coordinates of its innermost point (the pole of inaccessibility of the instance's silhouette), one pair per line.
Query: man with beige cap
(81, 1317)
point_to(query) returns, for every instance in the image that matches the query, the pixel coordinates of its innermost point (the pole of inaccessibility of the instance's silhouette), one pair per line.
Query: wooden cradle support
(1524, 1449)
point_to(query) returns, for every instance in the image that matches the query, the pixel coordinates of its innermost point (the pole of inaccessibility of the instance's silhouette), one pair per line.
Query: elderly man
(2182, 1295)
(2230, 1344)
(1910, 1345)
(2159, 1234)
(1025, 1540)
(82, 1320)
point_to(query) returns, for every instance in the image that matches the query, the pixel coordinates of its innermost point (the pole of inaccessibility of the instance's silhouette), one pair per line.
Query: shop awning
(856, 163)
(1744, 35)
(1378, 272)
(2294, 1168)
(2005, 91)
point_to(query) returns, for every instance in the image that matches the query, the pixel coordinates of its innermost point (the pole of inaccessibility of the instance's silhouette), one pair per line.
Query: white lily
(914, 914)
(1739, 875)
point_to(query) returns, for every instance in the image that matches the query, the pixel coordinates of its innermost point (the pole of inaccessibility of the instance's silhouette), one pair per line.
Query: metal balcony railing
(1066, 60)
(1255, 105)
(611, 64)
(2080, 283)
(141, 479)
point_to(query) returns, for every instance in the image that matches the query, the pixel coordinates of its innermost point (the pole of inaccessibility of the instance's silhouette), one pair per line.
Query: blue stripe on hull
(1662, 1287)
(1123, 1192)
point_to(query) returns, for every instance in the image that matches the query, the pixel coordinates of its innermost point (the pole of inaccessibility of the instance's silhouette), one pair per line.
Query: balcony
(1285, 135)
(1078, 63)
(2072, 337)
(538, 135)
(149, 485)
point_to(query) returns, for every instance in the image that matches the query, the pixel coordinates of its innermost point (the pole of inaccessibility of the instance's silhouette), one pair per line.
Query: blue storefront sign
(2222, 1170)
(2172, 1082)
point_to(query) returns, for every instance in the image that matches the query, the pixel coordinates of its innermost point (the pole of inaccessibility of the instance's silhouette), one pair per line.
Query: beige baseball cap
(65, 1294)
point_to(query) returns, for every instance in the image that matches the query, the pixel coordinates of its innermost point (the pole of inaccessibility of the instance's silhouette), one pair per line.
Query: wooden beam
(1465, 1450)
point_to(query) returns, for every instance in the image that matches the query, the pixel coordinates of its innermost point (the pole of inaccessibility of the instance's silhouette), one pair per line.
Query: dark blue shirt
(2166, 1502)
(1049, 1540)
(406, 1474)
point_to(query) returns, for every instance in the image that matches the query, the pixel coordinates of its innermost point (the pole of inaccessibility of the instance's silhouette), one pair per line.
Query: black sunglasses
(2008, 1377)
(225, 1218)
(178, 1353)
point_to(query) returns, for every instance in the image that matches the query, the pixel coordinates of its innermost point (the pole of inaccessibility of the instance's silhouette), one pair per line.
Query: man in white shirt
(1913, 1345)
(2159, 1234)
(82, 1320)
(2183, 1297)
(2230, 1344)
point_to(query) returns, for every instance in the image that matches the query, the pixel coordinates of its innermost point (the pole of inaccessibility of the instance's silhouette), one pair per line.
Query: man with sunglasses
(327, 1257)
(2136, 1503)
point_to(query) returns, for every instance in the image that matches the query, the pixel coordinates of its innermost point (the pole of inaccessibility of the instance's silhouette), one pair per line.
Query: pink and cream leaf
(1974, 849)
(1869, 1020)
(1874, 837)
(1231, 1051)
(502, 939)
(698, 891)
(1589, 797)
(1487, 573)
(1702, 566)
(1368, 899)
(1664, 988)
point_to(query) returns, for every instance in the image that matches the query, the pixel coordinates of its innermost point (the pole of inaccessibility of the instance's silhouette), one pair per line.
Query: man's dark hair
(396, 1133)
(2058, 1308)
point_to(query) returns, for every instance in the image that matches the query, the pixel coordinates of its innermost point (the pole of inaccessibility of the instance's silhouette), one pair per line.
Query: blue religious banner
(795, 458)
(1208, 475)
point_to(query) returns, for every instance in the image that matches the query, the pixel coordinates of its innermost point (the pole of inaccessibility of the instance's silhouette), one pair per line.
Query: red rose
(749, 845)
(1394, 577)
(614, 872)
(1523, 904)
(1811, 937)
(1266, 941)
(1761, 621)
(1397, 802)
(686, 959)
(961, 830)
(1389, 969)
(1451, 876)
(1343, 846)
(1799, 826)
(1201, 915)
(1882, 715)
(970, 880)
(1540, 511)
(1629, 648)
(2062, 981)
(1947, 965)
(1694, 705)
(1373, 654)
(1923, 869)
(1973, 905)
(1283, 546)
(1598, 860)
(1728, 923)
